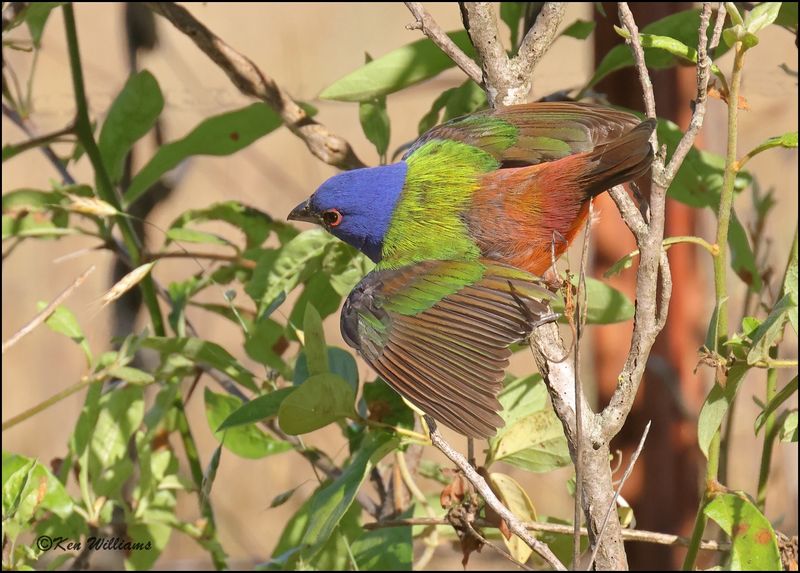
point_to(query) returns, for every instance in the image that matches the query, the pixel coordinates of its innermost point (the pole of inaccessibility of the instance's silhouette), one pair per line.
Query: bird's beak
(303, 212)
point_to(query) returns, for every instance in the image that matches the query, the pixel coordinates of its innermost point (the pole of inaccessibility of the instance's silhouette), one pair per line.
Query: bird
(462, 229)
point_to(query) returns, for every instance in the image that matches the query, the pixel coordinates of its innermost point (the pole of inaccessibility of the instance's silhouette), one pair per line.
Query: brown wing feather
(449, 358)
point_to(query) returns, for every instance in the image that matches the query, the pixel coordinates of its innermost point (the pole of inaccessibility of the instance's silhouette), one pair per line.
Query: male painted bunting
(461, 229)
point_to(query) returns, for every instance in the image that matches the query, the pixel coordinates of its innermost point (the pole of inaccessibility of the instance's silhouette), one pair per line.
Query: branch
(429, 27)
(635, 535)
(514, 523)
(653, 278)
(613, 505)
(481, 25)
(703, 74)
(508, 81)
(251, 81)
(540, 37)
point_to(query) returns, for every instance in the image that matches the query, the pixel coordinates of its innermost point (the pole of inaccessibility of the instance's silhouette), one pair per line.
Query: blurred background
(305, 47)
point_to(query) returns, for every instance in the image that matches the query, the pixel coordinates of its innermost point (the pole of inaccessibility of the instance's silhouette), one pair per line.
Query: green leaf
(787, 140)
(121, 412)
(147, 531)
(787, 16)
(319, 291)
(579, 29)
(521, 397)
(511, 14)
(605, 303)
(205, 353)
(467, 98)
(223, 134)
(255, 224)
(133, 113)
(314, 342)
(682, 27)
(755, 547)
(247, 441)
(64, 322)
(195, 236)
(431, 118)
(261, 343)
(671, 45)
(790, 284)
(516, 499)
(340, 362)
(788, 431)
(210, 474)
(28, 487)
(761, 16)
(406, 66)
(296, 262)
(36, 15)
(375, 121)
(386, 549)
(332, 501)
(257, 409)
(383, 404)
(534, 442)
(716, 405)
(132, 375)
(320, 400)
(770, 332)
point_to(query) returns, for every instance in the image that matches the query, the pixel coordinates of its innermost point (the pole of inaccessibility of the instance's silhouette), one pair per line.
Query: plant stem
(720, 287)
(105, 189)
(769, 440)
(54, 399)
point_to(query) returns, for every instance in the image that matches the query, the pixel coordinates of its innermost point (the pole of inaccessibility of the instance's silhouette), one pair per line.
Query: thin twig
(703, 74)
(476, 534)
(578, 322)
(46, 150)
(613, 505)
(514, 523)
(45, 313)
(634, 535)
(252, 81)
(429, 27)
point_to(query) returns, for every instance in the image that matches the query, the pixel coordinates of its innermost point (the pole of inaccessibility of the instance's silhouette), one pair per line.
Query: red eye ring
(332, 217)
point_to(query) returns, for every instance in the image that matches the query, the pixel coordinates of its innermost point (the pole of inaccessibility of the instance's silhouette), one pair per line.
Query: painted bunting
(461, 230)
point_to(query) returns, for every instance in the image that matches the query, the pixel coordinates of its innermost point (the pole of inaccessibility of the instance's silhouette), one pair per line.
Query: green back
(427, 224)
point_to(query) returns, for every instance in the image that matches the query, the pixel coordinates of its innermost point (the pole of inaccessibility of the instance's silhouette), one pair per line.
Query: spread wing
(533, 133)
(439, 333)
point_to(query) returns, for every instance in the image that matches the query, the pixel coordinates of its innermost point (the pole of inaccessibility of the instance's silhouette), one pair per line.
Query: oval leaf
(406, 66)
(245, 441)
(755, 547)
(320, 400)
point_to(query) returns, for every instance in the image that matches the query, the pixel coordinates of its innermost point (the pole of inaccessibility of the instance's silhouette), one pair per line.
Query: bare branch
(630, 214)
(508, 81)
(636, 535)
(251, 81)
(703, 74)
(613, 504)
(45, 313)
(514, 523)
(540, 37)
(430, 28)
(501, 87)
(626, 19)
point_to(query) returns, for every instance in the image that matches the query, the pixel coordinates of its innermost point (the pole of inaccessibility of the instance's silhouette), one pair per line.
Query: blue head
(356, 206)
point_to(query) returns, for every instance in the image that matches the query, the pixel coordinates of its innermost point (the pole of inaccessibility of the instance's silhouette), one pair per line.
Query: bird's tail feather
(623, 159)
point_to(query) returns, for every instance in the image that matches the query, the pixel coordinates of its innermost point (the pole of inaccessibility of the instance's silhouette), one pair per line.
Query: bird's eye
(332, 217)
